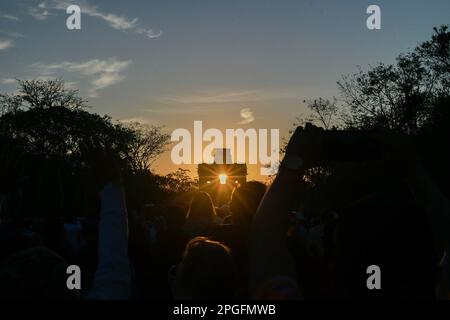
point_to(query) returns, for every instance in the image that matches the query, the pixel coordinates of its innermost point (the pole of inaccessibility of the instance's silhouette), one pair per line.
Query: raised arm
(271, 265)
(112, 279)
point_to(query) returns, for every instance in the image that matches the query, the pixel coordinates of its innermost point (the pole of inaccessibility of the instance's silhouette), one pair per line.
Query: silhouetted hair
(245, 201)
(208, 270)
(202, 213)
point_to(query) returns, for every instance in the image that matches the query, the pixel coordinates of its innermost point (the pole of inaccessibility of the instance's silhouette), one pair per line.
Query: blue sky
(171, 62)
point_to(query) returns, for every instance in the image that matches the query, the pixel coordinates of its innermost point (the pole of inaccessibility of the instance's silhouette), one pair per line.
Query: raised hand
(304, 148)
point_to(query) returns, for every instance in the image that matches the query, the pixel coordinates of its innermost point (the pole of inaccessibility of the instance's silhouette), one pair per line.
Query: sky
(229, 63)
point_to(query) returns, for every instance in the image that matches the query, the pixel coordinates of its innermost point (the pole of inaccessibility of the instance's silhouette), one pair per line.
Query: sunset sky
(170, 62)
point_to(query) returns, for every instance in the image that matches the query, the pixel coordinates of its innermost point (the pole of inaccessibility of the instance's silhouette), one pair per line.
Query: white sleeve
(112, 279)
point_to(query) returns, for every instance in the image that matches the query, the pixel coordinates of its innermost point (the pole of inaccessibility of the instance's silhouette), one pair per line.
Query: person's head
(34, 273)
(202, 213)
(207, 271)
(245, 201)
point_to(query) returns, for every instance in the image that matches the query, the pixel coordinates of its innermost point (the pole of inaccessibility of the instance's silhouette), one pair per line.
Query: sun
(223, 178)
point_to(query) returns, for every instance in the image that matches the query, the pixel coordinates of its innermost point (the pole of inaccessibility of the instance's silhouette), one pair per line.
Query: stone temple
(222, 176)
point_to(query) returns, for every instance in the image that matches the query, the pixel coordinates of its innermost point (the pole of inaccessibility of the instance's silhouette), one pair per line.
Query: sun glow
(223, 178)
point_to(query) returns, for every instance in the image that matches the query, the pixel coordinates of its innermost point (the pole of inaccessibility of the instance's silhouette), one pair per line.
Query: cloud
(103, 81)
(8, 17)
(71, 85)
(230, 96)
(100, 73)
(8, 81)
(12, 34)
(41, 12)
(115, 21)
(134, 119)
(247, 116)
(12, 81)
(176, 110)
(149, 33)
(6, 44)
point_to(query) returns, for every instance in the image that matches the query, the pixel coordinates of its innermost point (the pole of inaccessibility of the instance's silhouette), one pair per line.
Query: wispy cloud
(176, 110)
(71, 85)
(6, 44)
(247, 116)
(118, 22)
(100, 73)
(12, 34)
(8, 81)
(230, 96)
(8, 17)
(134, 119)
(41, 12)
(13, 81)
(149, 33)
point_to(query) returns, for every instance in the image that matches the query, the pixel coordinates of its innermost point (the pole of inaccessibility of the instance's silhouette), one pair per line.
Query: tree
(436, 52)
(147, 144)
(400, 96)
(180, 181)
(410, 96)
(48, 136)
(324, 112)
(41, 94)
(53, 122)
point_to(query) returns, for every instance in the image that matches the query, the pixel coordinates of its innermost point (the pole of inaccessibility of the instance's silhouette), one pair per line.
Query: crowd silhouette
(77, 189)
(261, 250)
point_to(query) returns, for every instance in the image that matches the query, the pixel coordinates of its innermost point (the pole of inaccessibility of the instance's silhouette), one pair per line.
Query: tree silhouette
(41, 94)
(410, 96)
(325, 112)
(400, 96)
(148, 143)
(49, 137)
